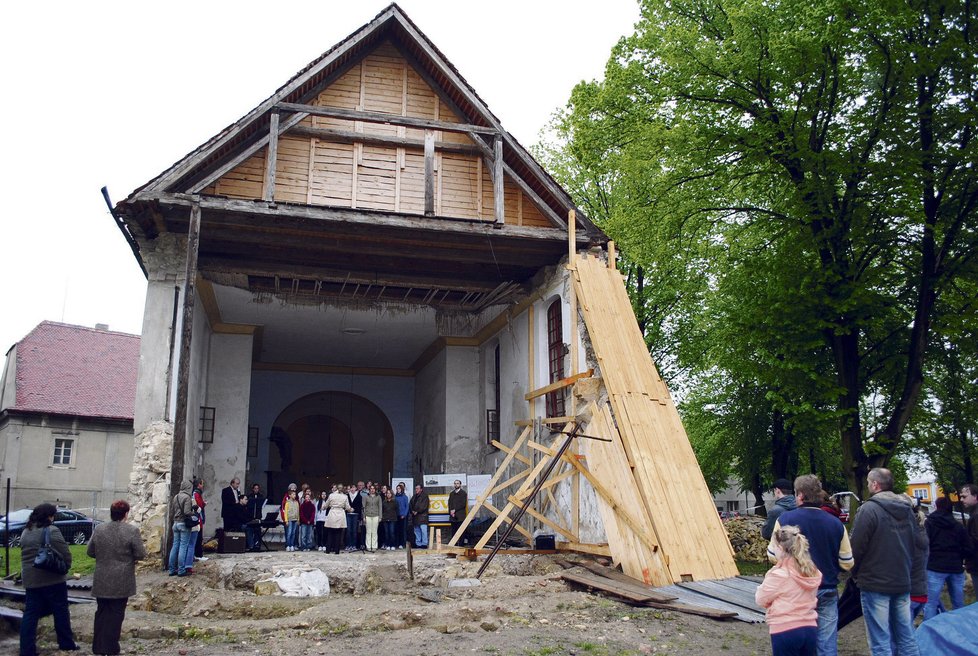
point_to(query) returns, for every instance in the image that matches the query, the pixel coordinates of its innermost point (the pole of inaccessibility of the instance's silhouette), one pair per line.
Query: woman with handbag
(47, 592)
(115, 546)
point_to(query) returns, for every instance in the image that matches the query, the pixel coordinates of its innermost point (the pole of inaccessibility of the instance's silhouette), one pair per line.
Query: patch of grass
(591, 648)
(747, 568)
(81, 564)
(543, 651)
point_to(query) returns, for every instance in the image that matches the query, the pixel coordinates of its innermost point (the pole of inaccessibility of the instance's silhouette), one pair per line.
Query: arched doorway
(329, 437)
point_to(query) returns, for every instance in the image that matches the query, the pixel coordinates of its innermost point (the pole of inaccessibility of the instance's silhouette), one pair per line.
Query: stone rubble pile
(745, 538)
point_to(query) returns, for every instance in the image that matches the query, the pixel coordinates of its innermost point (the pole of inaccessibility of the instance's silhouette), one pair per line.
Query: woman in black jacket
(948, 549)
(47, 592)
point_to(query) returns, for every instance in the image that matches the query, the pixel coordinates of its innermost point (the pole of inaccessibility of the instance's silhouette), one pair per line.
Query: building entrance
(329, 437)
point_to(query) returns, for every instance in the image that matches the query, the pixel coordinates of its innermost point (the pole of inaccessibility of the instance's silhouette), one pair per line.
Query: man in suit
(457, 502)
(229, 502)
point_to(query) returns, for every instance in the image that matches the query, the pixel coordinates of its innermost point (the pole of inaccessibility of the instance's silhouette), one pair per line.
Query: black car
(74, 526)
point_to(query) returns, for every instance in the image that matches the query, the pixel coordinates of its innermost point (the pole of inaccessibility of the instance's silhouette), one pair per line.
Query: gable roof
(73, 370)
(392, 24)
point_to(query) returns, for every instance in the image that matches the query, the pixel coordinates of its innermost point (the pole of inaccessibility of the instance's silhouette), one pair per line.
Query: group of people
(356, 517)
(899, 565)
(115, 545)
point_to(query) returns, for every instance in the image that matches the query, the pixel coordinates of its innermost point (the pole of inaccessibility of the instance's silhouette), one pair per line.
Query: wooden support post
(429, 173)
(612, 256)
(183, 363)
(498, 181)
(575, 360)
(270, 161)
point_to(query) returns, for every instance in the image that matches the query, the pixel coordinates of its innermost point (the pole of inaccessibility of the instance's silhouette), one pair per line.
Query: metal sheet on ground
(686, 596)
(717, 590)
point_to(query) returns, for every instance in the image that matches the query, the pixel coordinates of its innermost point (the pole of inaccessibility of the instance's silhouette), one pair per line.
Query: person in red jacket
(307, 522)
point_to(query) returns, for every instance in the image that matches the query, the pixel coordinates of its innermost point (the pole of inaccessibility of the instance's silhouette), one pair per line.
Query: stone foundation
(149, 483)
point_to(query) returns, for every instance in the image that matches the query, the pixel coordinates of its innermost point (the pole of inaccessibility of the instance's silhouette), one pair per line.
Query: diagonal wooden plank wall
(666, 476)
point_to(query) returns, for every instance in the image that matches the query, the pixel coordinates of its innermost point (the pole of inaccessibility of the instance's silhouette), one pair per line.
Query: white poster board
(477, 484)
(408, 484)
(443, 480)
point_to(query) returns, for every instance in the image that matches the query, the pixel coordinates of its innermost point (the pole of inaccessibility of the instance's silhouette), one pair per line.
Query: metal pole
(528, 501)
(6, 533)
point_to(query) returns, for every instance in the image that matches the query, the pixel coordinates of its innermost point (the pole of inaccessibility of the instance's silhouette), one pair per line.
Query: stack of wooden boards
(725, 600)
(664, 528)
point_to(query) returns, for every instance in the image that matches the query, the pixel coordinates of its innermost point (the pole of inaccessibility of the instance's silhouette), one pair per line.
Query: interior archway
(330, 437)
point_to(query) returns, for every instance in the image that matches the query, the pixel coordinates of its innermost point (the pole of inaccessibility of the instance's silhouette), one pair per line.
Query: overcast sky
(111, 93)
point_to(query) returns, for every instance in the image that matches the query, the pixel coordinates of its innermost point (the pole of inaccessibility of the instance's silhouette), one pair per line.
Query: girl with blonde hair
(789, 595)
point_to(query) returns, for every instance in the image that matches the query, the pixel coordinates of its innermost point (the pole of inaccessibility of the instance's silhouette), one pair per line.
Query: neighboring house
(66, 406)
(735, 500)
(926, 490)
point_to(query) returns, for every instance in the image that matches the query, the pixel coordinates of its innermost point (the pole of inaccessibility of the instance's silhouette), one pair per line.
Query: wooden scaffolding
(658, 515)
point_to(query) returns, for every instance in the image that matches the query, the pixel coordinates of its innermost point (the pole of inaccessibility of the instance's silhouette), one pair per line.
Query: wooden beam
(357, 218)
(484, 497)
(505, 449)
(498, 182)
(331, 369)
(385, 119)
(580, 547)
(229, 165)
(541, 204)
(612, 256)
(560, 384)
(544, 420)
(271, 159)
(429, 173)
(178, 454)
(347, 136)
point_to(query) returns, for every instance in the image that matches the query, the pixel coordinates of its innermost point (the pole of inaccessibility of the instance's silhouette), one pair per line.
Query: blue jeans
(387, 529)
(888, 616)
(178, 552)
(352, 530)
(400, 532)
(935, 583)
(421, 536)
(291, 529)
(192, 549)
(795, 642)
(252, 535)
(305, 536)
(828, 621)
(47, 600)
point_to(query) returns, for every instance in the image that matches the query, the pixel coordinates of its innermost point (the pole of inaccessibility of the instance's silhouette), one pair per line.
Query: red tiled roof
(73, 370)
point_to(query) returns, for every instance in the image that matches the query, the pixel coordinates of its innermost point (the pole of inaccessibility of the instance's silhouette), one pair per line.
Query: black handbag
(191, 520)
(47, 558)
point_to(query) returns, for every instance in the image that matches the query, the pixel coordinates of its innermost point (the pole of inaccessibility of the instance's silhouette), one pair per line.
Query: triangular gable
(243, 140)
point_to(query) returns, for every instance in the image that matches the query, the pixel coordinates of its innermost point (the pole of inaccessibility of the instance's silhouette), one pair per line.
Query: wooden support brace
(429, 173)
(272, 159)
(499, 198)
(560, 384)
(544, 420)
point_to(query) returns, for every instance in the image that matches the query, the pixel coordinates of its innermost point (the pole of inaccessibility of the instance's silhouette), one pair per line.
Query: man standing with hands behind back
(457, 502)
(229, 501)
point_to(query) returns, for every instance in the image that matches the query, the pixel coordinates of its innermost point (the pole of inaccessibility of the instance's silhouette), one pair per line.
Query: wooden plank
(579, 547)
(626, 581)
(386, 119)
(348, 137)
(483, 498)
(560, 384)
(499, 204)
(429, 173)
(605, 585)
(544, 420)
(271, 160)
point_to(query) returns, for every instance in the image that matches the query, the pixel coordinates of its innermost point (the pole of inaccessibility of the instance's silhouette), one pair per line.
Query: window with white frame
(64, 449)
(920, 493)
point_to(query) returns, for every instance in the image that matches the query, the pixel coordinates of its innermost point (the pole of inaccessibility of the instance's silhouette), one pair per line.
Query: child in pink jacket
(788, 593)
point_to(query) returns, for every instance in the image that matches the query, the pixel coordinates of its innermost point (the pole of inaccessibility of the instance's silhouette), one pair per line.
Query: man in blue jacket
(784, 495)
(828, 543)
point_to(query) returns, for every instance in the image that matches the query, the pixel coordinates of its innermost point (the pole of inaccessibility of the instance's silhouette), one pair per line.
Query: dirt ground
(520, 608)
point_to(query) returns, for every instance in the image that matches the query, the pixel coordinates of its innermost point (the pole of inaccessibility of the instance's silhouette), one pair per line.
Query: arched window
(555, 357)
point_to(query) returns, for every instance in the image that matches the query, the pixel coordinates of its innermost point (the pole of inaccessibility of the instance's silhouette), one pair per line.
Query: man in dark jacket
(229, 503)
(828, 544)
(256, 503)
(948, 549)
(457, 503)
(969, 499)
(784, 495)
(419, 516)
(885, 544)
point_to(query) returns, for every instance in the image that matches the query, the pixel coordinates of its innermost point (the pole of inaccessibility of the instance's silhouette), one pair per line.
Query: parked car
(76, 527)
(728, 514)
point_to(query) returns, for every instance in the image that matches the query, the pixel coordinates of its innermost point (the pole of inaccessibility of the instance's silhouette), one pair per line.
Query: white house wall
(430, 406)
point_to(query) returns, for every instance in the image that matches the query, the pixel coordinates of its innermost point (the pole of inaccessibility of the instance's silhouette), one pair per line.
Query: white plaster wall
(430, 390)
(228, 391)
(464, 435)
(273, 391)
(154, 355)
(101, 463)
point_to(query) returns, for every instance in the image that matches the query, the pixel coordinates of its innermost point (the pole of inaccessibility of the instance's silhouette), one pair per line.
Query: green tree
(803, 172)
